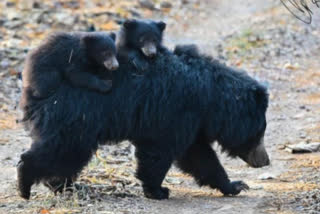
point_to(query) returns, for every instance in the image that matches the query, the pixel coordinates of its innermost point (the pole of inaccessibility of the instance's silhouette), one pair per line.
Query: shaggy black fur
(172, 113)
(73, 57)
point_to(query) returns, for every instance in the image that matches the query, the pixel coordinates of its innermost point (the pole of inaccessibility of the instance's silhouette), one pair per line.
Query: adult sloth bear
(172, 113)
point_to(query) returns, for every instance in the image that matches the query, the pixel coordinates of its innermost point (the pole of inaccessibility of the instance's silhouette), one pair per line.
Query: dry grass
(298, 186)
(312, 99)
(8, 121)
(307, 160)
(309, 77)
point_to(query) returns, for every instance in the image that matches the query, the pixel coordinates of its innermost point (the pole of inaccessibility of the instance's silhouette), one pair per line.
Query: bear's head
(145, 36)
(100, 49)
(256, 156)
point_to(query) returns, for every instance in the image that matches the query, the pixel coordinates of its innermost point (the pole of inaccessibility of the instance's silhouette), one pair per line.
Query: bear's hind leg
(153, 165)
(67, 168)
(201, 161)
(48, 160)
(35, 164)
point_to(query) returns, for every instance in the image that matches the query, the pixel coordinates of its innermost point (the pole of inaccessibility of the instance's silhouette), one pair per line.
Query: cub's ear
(113, 36)
(130, 23)
(161, 25)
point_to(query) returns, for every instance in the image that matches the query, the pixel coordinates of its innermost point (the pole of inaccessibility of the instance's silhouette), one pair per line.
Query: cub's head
(144, 36)
(100, 48)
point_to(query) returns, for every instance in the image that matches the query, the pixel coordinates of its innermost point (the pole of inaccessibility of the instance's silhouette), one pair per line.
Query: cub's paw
(105, 86)
(140, 65)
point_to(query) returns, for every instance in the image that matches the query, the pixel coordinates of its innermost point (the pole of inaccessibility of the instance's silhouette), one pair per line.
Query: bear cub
(82, 59)
(139, 41)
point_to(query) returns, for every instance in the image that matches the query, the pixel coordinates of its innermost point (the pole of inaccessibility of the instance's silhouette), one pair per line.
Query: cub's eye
(106, 54)
(141, 40)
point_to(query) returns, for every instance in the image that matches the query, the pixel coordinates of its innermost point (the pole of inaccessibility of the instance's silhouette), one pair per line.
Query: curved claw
(242, 186)
(239, 186)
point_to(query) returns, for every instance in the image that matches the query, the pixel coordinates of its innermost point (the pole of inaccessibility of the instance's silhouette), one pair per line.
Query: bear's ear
(130, 23)
(161, 25)
(88, 39)
(113, 36)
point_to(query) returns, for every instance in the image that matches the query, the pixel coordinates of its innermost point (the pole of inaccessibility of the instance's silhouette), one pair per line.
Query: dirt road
(257, 36)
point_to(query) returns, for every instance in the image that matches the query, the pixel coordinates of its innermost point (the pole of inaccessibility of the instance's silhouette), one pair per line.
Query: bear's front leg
(201, 161)
(25, 179)
(153, 165)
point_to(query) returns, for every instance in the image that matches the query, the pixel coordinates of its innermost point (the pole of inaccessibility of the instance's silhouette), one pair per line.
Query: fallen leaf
(93, 180)
(289, 66)
(304, 147)
(173, 180)
(111, 25)
(266, 176)
(44, 211)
